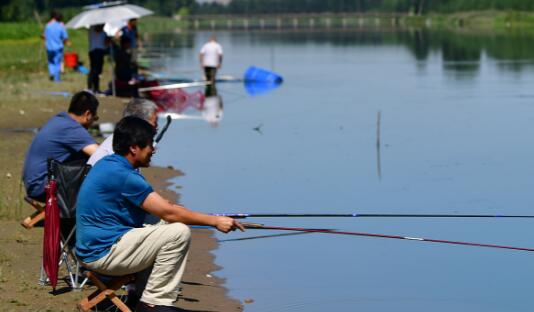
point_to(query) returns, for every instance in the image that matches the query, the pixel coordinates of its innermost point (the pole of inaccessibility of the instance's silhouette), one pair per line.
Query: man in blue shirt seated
(111, 206)
(63, 138)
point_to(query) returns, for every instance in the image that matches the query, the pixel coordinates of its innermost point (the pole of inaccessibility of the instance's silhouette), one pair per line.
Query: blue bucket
(82, 69)
(256, 74)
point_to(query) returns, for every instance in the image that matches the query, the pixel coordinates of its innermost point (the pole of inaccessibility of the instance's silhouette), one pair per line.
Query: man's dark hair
(132, 131)
(83, 101)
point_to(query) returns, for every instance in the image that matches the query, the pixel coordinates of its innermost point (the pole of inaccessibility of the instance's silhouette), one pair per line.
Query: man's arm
(159, 206)
(220, 61)
(103, 150)
(139, 41)
(90, 149)
(65, 37)
(201, 59)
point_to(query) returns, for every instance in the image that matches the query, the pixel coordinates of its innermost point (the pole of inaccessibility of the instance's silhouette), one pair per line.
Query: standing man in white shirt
(211, 56)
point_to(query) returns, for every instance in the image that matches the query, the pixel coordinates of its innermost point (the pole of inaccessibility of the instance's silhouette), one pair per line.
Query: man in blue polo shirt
(130, 34)
(55, 36)
(63, 138)
(130, 31)
(112, 203)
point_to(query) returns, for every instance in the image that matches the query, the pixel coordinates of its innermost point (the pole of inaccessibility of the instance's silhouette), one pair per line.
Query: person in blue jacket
(63, 138)
(56, 37)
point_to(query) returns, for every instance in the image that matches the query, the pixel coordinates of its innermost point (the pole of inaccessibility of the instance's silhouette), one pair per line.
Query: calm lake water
(456, 136)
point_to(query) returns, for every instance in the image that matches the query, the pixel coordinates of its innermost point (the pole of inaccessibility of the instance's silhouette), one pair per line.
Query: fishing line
(421, 239)
(365, 215)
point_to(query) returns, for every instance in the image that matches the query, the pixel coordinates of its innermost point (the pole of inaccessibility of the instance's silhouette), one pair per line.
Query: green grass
(23, 52)
(19, 31)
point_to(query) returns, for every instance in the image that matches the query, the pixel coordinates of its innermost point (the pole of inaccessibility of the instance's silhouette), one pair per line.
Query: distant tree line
(20, 10)
(361, 6)
(17, 10)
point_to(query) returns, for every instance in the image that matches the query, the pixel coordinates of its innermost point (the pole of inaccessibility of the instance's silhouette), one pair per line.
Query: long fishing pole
(327, 231)
(364, 215)
(176, 86)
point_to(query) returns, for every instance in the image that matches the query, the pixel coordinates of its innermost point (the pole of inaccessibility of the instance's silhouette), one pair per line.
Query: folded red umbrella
(51, 246)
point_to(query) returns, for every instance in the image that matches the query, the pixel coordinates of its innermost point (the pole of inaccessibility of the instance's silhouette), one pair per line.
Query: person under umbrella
(98, 46)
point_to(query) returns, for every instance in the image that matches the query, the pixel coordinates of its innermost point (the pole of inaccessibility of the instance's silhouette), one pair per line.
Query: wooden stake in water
(378, 164)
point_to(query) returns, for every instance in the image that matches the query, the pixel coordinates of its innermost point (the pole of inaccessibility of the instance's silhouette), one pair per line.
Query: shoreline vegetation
(22, 52)
(475, 20)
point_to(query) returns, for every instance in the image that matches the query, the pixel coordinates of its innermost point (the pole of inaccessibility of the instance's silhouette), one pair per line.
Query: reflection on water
(180, 104)
(444, 120)
(212, 111)
(259, 88)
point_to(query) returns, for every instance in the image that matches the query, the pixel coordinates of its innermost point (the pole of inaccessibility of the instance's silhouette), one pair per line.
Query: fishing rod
(181, 116)
(364, 215)
(328, 231)
(262, 236)
(162, 132)
(176, 86)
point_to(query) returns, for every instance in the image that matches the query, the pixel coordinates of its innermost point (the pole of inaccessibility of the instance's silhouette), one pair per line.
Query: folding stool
(105, 291)
(35, 217)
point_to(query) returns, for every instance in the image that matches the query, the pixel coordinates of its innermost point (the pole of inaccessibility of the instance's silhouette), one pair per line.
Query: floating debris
(258, 128)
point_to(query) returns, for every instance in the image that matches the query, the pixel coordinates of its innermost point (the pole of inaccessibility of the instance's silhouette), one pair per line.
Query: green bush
(19, 31)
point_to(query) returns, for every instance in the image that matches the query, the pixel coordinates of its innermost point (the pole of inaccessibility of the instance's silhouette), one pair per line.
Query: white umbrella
(107, 14)
(112, 12)
(112, 28)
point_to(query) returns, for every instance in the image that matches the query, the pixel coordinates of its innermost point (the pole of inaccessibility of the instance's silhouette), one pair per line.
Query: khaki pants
(164, 247)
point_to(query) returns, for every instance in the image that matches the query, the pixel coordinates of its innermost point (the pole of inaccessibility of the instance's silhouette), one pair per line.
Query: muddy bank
(200, 291)
(24, 108)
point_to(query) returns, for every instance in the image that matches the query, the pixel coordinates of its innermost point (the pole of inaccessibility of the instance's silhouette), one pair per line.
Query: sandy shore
(20, 256)
(201, 290)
